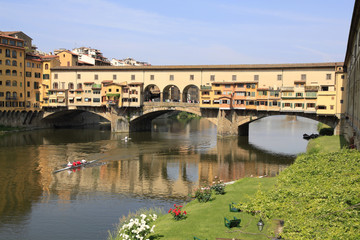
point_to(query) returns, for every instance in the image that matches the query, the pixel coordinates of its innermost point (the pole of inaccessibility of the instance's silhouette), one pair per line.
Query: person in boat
(69, 164)
(126, 138)
(74, 164)
(83, 161)
(78, 162)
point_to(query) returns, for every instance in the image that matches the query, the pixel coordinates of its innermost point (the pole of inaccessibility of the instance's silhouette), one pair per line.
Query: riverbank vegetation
(4, 129)
(184, 116)
(315, 198)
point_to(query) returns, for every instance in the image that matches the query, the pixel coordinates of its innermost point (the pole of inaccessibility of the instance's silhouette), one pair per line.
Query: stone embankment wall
(35, 120)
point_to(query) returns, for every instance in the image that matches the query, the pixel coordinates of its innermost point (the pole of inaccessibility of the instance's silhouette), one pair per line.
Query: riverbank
(206, 220)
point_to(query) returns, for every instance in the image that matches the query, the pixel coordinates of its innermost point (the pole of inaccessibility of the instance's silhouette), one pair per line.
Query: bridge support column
(243, 130)
(119, 124)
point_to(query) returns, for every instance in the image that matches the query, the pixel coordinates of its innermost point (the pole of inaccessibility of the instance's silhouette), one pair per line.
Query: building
(33, 81)
(127, 62)
(352, 67)
(49, 61)
(12, 66)
(67, 58)
(90, 57)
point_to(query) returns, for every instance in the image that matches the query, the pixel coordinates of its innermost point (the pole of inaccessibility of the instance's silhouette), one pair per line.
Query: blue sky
(165, 32)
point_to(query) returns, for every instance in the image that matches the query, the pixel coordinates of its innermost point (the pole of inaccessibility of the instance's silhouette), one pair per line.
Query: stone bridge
(228, 122)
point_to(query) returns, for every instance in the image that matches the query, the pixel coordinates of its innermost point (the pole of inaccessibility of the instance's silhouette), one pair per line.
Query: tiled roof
(202, 67)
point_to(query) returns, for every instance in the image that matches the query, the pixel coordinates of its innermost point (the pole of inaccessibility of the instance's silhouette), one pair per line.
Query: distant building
(67, 58)
(128, 62)
(20, 35)
(91, 57)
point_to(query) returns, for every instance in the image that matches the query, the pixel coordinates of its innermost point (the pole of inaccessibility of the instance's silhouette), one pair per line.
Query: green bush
(317, 197)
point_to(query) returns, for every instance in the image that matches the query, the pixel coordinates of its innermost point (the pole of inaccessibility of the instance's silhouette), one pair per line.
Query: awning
(206, 101)
(78, 98)
(71, 98)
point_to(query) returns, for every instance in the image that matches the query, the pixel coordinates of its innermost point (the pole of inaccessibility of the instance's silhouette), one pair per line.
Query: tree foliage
(318, 197)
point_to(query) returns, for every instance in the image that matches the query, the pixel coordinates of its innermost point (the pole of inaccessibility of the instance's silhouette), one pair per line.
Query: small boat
(75, 166)
(311, 136)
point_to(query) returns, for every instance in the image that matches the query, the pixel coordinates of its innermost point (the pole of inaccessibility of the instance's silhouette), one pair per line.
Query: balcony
(289, 89)
(96, 86)
(203, 87)
(311, 88)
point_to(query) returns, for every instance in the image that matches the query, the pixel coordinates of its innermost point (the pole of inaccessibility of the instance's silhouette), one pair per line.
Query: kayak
(76, 166)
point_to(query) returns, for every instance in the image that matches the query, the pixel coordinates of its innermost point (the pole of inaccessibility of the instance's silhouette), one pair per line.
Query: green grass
(326, 144)
(206, 220)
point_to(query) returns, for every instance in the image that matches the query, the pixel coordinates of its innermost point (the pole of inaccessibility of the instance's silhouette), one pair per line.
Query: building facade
(352, 65)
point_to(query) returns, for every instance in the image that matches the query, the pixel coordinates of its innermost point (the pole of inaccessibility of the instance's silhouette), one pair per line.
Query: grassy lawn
(326, 144)
(206, 220)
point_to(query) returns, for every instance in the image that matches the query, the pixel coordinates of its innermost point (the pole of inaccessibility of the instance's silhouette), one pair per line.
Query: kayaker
(83, 161)
(78, 163)
(69, 164)
(74, 164)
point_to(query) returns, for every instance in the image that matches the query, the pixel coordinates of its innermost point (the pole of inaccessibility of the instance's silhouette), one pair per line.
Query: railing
(170, 104)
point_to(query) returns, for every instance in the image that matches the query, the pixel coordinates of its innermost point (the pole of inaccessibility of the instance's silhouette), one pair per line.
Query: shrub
(138, 228)
(203, 194)
(177, 213)
(218, 186)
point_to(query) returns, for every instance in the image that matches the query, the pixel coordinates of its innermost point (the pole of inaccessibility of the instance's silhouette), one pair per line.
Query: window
(342, 88)
(28, 64)
(321, 107)
(14, 63)
(279, 77)
(7, 62)
(341, 101)
(0, 62)
(212, 77)
(71, 86)
(28, 74)
(191, 77)
(46, 76)
(28, 83)
(14, 53)
(132, 77)
(79, 76)
(96, 77)
(14, 83)
(28, 94)
(325, 88)
(36, 85)
(8, 72)
(332, 107)
(303, 77)
(4, 41)
(234, 77)
(8, 83)
(55, 76)
(114, 77)
(0, 83)
(227, 85)
(79, 86)
(171, 77)
(37, 75)
(152, 77)
(12, 42)
(7, 53)
(328, 76)
(1, 94)
(256, 77)
(55, 85)
(46, 66)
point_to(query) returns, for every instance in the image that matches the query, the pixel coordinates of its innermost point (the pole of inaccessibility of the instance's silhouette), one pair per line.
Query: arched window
(14, 83)
(8, 83)
(14, 95)
(46, 66)
(8, 62)
(8, 72)
(14, 53)
(14, 73)
(14, 63)
(79, 86)
(71, 85)
(8, 95)
(55, 85)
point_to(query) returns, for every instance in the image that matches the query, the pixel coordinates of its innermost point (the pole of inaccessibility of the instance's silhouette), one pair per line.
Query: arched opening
(171, 93)
(152, 93)
(191, 94)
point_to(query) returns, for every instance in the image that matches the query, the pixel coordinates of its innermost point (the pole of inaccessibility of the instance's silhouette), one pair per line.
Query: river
(152, 169)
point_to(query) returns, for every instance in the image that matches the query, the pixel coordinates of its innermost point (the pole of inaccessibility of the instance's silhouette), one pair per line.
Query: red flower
(185, 212)
(177, 213)
(170, 210)
(180, 206)
(174, 205)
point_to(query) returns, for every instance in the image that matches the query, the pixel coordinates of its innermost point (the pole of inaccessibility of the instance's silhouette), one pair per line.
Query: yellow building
(67, 58)
(33, 81)
(12, 54)
(49, 61)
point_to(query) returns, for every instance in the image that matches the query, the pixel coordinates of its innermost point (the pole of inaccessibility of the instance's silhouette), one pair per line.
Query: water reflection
(164, 165)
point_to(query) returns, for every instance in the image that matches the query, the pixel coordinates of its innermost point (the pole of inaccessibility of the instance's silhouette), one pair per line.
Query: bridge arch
(171, 93)
(152, 93)
(191, 94)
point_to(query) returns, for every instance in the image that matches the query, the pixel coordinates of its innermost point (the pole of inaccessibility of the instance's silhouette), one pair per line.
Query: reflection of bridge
(228, 122)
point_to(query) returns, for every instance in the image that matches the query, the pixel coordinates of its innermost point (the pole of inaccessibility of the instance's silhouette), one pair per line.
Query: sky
(188, 32)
